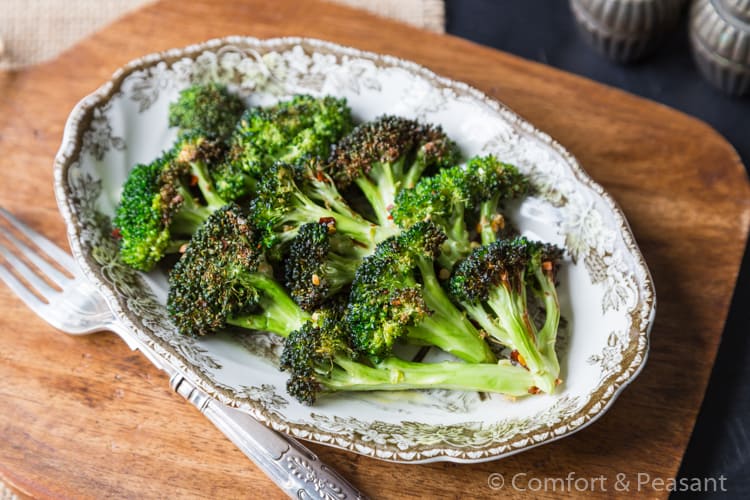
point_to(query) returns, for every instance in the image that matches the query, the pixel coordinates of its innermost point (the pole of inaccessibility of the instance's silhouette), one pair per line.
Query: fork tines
(34, 266)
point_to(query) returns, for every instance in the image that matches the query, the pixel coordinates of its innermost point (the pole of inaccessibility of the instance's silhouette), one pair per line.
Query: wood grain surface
(85, 417)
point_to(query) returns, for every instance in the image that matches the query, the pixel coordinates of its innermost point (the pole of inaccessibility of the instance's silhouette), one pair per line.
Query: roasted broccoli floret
(491, 182)
(456, 194)
(230, 181)
(494, 285)
(396, 295)
(289, 197)
(442, 199)
(320, 263)
(386, 155)
(208, 110)
(290, 132)
(222, 279)
(320, 360)
(164, 202)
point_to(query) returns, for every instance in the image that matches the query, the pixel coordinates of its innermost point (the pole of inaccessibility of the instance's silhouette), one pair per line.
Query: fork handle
(294, 468)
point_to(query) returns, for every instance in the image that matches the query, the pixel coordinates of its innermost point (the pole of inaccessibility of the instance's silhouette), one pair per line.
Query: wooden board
(85, 417)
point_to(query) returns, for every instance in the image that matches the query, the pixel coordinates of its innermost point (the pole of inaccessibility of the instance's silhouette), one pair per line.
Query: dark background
(545, 31)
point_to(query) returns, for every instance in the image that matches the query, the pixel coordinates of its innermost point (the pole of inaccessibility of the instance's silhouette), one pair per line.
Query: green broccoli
(289, 197)
(164, 202)
(230, 181)
(290, 132)
(396, 295)
(491, 182)
(320, 360)
(454, 194)
(209, 110)
(222, 279)
(320, 263)
(494, 285)
(386, 155)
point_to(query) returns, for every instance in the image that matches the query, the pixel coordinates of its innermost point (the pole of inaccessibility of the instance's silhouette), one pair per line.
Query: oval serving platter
(606, 291)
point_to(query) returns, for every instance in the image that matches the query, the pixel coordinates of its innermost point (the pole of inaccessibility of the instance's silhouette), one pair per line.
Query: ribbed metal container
(626, 30)
(720, 37)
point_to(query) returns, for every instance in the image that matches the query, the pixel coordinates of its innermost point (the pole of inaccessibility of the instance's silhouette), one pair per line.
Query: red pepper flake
(193, 180)
(116, 234)
(547, 265)
(516, 357)
(534, 390)
(315, 280)
(329, 223)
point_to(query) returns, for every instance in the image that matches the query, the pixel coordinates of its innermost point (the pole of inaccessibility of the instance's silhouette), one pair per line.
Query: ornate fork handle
(294, 468)
(78, 308)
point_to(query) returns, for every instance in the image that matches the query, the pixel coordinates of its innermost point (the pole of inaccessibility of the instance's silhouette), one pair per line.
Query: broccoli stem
(381, 193)
(447, 327)
(487, 211)
(328, 194)
(200, 171)
(415, 170)
(278, 314)
(189, 215)
(371, 193)
(396, 374)
(339, 271)
(512, 318)
(547, 335)
(458, 244)
(351, 224)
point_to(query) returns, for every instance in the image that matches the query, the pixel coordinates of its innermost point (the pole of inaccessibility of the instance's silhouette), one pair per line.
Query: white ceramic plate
(606, 291)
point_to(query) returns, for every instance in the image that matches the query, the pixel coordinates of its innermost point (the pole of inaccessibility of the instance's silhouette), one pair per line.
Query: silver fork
(77, 308)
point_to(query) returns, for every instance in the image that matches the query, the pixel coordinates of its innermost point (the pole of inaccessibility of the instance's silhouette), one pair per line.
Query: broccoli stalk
(274, 311)
(389, 302)
(221, 280)
(386, 155)
(320, 360)
(492, 285)
(283, 204)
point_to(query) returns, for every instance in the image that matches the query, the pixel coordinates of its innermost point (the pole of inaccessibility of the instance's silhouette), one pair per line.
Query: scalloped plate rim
(62, 162)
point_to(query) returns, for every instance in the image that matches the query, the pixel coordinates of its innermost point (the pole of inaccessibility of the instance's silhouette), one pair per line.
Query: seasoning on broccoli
(221, 280)
(386, 155)
(289, 197)
(163, 203)
(396, 296)
(495, 285)
(320, 263)
(457, 194)
(320, 360)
